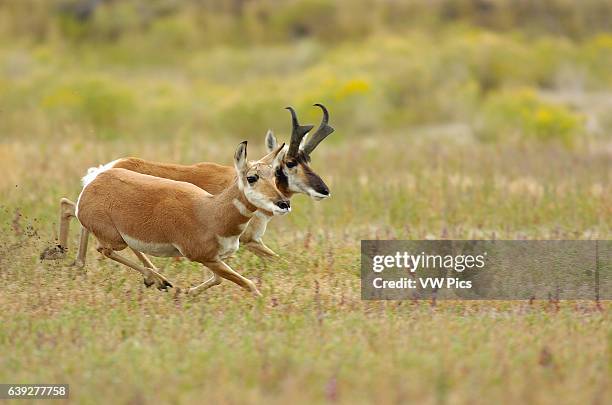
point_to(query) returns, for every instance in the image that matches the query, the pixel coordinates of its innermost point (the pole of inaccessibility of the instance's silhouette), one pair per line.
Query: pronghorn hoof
(78, 264)
(163, 286)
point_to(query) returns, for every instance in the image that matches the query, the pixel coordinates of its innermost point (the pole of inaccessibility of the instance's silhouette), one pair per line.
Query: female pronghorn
(294, 176)
(163, 217)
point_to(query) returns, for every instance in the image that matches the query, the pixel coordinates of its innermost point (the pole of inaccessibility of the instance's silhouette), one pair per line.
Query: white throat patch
(261, 201)
(242, 209)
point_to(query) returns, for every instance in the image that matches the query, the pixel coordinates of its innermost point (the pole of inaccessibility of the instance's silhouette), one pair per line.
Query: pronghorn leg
(144, 259)
(67, 211)
(251, 237)
(83, 241)
(260, 249)
(58, 251)
(211, 282)
(150, 276)
(223, 270)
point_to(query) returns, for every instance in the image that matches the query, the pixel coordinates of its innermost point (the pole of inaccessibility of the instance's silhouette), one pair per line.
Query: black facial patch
(282, 182)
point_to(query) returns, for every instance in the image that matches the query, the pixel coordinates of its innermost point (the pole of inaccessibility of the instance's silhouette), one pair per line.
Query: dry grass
(310, 338)
(413, 104)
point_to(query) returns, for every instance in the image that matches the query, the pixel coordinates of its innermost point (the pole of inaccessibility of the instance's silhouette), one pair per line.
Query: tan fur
(120, 205)
(213, 178)
(157, 210)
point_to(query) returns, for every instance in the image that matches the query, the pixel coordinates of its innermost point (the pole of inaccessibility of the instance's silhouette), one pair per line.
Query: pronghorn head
(257, 180)
(294, 174)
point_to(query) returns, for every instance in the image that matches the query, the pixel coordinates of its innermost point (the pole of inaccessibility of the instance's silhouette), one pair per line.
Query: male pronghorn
(293, 176)
(163, 217)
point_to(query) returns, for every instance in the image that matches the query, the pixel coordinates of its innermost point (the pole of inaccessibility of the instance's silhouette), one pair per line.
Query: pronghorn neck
(234, 206)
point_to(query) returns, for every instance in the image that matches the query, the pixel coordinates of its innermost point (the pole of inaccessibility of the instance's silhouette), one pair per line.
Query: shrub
(520, 115)
(99, 102)
(305, 18)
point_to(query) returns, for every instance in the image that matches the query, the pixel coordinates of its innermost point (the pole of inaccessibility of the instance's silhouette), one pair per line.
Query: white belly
(151, 248)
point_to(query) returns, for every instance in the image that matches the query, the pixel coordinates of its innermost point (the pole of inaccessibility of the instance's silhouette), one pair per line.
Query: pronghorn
(164, 217)
(294, 176)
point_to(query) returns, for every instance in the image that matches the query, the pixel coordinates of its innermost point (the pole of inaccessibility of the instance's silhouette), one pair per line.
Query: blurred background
(490, 70)
(459, 117)
(464, 119)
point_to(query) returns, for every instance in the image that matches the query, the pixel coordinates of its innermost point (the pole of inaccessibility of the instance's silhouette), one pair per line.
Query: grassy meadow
(445, 129)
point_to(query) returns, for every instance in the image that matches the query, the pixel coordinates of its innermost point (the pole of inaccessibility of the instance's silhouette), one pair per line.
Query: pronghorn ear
(303, 141)
(270, 141)
(269, 158)
(281, 153)
(240, 157)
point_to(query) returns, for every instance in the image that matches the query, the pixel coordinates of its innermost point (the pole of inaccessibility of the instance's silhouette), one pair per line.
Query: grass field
(311, 337)
(455, 119)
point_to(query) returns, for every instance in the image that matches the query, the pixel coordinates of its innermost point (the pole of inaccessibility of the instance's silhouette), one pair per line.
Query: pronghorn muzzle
(316, 187)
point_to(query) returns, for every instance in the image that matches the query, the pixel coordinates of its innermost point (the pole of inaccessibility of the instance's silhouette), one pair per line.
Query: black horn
(322, 132)
(297, 133)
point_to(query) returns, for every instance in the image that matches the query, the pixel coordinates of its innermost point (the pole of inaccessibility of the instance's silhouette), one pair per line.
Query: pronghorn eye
(291, 163)
(252, 179)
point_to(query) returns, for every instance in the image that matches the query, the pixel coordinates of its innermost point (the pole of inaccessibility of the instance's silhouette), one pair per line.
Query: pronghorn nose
(324, 191)
(283, 204)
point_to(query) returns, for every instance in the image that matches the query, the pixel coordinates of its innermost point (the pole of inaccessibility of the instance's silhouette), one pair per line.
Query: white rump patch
(151, 248)
(93, 172)
(91, 175)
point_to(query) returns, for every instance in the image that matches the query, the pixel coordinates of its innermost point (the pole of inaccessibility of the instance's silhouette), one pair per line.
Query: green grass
(453, 120)
(310, 338)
